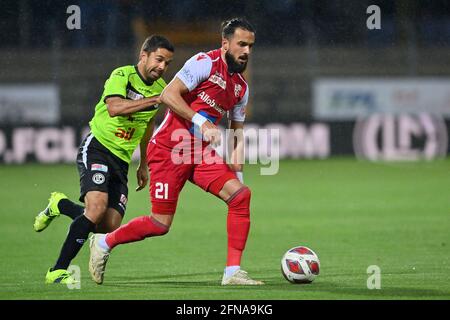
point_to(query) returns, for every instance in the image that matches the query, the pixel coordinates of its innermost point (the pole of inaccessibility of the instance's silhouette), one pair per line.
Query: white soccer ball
(300, 265)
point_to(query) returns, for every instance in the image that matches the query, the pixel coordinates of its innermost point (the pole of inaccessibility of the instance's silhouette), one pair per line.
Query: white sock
(102, 243)
(230, 270)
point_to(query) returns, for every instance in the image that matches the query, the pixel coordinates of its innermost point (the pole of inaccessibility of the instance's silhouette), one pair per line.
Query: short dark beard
(233, 65)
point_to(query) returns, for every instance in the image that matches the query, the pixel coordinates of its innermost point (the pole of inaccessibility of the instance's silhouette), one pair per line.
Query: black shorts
(101, 170)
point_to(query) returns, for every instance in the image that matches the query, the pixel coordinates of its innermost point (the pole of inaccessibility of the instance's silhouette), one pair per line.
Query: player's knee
(155, 233)
(239, 202)
(96, 204)
(163, 231)
(96, 208)
(95, 212)
(240, 197)
(156, 227)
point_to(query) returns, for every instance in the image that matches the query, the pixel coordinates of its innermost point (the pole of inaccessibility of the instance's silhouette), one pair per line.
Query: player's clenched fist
(208, 130)
(158, 99)
(211, 133)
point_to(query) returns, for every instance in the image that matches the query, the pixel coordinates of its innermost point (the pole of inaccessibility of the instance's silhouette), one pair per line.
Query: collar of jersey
(149, 83)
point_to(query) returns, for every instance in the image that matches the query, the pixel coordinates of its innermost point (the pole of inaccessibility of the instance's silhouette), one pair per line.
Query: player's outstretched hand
(151, 101)
(211, 133)
(142, 177)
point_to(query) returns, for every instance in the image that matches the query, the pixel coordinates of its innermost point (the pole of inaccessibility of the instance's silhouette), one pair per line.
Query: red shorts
(167, 178)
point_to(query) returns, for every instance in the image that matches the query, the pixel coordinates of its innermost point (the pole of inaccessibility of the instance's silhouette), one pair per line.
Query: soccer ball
(300, 265)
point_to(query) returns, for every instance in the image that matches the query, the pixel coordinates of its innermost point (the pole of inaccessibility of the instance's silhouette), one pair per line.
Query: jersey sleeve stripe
(162, 124)
(242, 78)
(112, 96)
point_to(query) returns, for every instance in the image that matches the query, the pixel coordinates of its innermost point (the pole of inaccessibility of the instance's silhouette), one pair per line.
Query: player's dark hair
(229, 26)
(155, 42)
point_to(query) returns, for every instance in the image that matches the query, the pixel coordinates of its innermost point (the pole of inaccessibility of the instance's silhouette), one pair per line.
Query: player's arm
(235, 141)
(195, 71)
(172, 96)
(115, 96)
(118, 106)
(142, 170)
(236, 147)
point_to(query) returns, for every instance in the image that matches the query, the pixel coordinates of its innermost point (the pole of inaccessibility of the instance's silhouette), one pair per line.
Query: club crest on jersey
(98, 178)
(218, 79)
(237, 90)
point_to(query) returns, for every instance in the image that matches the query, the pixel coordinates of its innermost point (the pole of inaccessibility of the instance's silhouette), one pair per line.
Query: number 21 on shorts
(162, 190)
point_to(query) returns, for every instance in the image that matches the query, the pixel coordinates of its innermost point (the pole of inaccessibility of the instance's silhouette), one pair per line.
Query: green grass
(353, 214)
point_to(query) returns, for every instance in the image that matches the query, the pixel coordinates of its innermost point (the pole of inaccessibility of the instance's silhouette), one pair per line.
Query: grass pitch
(353, 214)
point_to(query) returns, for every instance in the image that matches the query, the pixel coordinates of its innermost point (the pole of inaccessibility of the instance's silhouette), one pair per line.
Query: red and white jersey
(213, 92)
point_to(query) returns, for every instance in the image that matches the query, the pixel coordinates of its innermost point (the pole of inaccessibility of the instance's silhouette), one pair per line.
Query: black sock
(78, 233)
(70, 209)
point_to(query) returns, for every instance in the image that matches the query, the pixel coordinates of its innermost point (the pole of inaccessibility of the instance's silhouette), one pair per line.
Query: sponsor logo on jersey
(133, 95)
(119, 73)
(211, 102)
(99, 167)
(187, 75)
(125, 134)
(237, 90)
(217, 78)
(98, 178)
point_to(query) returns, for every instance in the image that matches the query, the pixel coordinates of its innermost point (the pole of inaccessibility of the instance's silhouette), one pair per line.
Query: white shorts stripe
(162, 124)
(85, 147)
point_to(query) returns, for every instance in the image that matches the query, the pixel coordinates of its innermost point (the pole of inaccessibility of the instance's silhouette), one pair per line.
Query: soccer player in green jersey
(124, 119)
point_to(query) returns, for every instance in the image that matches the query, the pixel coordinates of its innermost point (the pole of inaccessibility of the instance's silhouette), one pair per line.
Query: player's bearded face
(236, 65)
(238, 49)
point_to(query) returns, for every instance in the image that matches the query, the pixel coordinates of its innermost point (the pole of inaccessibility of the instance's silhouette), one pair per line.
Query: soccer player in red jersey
(208, 86)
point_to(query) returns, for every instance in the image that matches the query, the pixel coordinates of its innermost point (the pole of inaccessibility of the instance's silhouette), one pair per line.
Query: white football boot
(97, 259)
(240, 277)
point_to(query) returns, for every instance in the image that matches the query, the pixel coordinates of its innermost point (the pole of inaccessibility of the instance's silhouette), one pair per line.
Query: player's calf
(135, 230)
(238, 224)
(238, 227)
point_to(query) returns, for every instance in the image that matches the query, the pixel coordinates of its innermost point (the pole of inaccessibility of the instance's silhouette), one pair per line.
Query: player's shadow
(174, 280)
(182, 280)
(386, 292)
(364, 292)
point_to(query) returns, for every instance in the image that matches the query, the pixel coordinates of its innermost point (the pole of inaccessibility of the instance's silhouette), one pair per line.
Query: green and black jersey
(122, 134)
